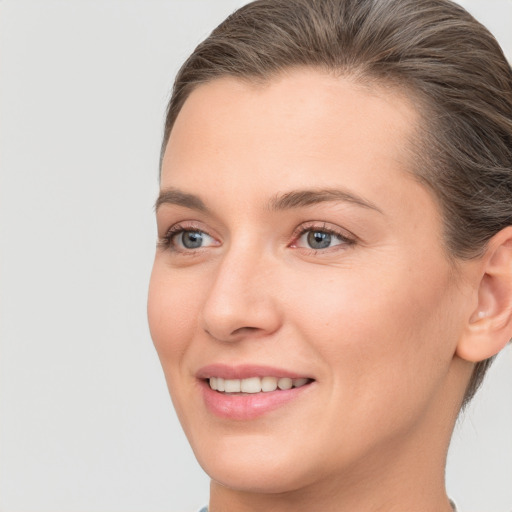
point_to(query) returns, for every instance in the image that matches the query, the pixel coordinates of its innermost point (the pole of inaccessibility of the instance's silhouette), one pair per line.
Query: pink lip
(244, 372)
(246, 406)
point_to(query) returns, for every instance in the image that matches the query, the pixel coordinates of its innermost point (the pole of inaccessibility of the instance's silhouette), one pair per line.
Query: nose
(242, 300)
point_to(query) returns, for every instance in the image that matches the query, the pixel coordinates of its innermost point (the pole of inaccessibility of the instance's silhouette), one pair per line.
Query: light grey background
(86, 424)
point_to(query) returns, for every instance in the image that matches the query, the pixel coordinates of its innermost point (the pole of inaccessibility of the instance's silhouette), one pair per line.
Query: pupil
(192, 240)
(319, 239)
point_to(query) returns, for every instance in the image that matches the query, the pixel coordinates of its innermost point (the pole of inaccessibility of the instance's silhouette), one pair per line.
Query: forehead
(302, 112)
(238, 143)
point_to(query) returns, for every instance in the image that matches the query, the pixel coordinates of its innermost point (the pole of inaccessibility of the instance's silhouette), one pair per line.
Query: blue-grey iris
(192, 239)
(319, 239)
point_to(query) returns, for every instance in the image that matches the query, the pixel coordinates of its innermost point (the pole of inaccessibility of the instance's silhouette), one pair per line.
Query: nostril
(242, 330)
(235, 335)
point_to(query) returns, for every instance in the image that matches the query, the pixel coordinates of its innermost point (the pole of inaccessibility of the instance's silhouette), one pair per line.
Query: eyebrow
(287, 201)
(304, 198)
(177, 197)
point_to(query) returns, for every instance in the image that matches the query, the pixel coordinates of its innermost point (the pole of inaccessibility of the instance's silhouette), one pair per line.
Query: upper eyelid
(304, 227)
(323, 226)
(185, 225)
(194, 225)
(178, 228)
(169, 214)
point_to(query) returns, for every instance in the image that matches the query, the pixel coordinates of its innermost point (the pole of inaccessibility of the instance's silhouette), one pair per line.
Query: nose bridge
(240, 299)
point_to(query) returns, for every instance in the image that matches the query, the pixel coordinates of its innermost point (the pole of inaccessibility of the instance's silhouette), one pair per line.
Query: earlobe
(489, 327)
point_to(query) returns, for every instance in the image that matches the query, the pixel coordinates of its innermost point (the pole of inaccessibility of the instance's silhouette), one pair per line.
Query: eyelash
(166, 242)
(346, 240)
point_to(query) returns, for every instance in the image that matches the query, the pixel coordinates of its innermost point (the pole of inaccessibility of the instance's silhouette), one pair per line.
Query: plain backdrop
(86, 424)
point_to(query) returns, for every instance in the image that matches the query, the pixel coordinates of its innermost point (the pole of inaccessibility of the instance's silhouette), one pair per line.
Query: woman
(334, 270)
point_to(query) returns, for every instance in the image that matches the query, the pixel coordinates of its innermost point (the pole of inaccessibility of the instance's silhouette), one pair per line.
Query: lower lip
(248, 406)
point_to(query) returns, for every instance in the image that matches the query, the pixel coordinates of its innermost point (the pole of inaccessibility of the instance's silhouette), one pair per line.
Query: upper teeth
(255, 384)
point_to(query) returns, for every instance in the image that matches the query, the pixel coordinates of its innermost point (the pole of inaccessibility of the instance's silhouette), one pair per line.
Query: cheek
(171, 312)
(388, 336)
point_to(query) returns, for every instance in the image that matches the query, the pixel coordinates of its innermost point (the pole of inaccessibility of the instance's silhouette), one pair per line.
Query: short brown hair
(434, 50)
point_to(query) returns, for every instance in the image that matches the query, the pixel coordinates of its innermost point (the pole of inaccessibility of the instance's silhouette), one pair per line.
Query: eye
(320, 238)
(191, 239)
(186, 238)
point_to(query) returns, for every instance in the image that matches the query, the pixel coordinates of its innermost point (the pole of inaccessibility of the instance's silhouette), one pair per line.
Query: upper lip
(245, 371)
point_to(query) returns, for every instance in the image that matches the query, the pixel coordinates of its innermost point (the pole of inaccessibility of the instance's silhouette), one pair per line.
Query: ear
(489, 327)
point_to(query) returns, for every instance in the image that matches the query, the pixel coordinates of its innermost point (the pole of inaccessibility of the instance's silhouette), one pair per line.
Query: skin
(375, 320)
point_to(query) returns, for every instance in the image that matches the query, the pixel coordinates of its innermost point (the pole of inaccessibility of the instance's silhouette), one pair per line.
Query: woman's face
(295, 244)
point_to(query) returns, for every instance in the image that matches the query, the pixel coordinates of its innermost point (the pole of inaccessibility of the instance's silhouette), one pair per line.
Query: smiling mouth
(256, 384)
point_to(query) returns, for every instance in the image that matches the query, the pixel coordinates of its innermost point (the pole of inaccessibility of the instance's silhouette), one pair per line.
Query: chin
(255, 478)
(257, 464)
